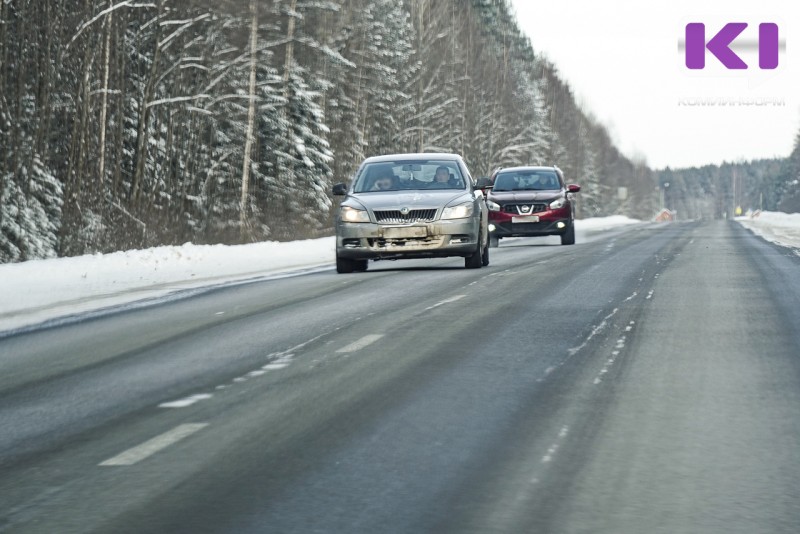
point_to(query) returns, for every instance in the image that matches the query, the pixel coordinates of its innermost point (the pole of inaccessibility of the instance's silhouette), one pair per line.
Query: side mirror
(484, 183)
(573, 188)
(340, 190)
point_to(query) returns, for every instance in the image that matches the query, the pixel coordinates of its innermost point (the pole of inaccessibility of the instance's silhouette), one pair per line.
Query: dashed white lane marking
(650, 294)
(275, 366)
(361, 343)
(446, 301)
(188, 401)
(150, 447)
(551, 452)
(614, 354)
(281, 363)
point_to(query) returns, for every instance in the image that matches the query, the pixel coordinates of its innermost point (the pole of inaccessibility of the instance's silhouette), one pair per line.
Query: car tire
(475, 261)
(345, 265)
(494, 241)
(568, 237)
(485, 256)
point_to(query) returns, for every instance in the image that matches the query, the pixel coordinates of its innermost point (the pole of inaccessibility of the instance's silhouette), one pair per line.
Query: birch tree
(251, 116)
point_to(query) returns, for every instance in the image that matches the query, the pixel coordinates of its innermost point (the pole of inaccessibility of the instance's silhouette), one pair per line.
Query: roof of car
(528, 168)
(412, 157)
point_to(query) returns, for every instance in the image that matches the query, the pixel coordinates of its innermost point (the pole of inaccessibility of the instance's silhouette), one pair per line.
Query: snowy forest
(715, 191)
(136, 123)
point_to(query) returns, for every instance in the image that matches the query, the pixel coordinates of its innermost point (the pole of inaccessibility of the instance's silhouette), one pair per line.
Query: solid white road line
(150, 447)
(361, 343)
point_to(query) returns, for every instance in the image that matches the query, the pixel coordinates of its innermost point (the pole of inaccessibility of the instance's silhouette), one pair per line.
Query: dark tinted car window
(527, 181)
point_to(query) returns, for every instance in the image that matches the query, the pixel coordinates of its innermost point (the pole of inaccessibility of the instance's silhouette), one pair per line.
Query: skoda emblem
(404, 211)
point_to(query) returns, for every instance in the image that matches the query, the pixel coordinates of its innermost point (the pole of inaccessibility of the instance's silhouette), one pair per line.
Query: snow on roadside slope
(776, 227)
(36, 291)
(604, 223)
(39, 290)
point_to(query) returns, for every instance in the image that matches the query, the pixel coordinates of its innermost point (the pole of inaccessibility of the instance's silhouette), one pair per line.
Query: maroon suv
(531, 201)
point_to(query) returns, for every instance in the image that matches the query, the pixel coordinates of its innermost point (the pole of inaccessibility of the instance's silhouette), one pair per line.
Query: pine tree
(30, 195)
(592, 195)
(299, 162)
(790, 198)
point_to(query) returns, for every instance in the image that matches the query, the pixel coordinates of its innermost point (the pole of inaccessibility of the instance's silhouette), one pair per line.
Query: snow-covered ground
(43, 290)
(780, 228)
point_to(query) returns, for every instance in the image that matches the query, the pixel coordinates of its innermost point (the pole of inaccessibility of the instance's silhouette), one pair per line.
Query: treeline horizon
(718, 191)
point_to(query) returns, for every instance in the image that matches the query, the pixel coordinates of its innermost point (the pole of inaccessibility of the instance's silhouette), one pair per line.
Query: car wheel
(494, 241)
(485, 256)
(475, 261)
(345, 265)
(568, 237)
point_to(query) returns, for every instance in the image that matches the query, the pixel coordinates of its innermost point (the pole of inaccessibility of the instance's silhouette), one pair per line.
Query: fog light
(561, 226)
(492, 228)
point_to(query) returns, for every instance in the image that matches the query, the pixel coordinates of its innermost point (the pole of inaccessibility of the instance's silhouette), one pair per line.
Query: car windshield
(404, 175)
(527, 181)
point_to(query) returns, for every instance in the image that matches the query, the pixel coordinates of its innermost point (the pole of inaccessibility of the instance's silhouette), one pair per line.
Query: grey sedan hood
(392, 200)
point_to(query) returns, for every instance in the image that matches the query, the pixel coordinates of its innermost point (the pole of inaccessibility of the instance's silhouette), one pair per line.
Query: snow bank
(776, 227)
(604, 223)
(39, 290)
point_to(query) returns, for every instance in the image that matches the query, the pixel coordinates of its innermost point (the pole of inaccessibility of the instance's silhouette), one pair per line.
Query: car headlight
(493, 206)
(461, 211)
(558, 203)
(354, 215)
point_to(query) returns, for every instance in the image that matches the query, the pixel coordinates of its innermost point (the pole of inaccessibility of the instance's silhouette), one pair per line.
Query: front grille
(516, 209)
(413, 216)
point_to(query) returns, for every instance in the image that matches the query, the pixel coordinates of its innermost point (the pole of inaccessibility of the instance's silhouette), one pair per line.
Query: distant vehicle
(530, 201)
(411, 206)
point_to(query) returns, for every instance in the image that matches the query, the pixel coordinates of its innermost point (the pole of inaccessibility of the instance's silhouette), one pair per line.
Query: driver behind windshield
(383, 182)
(441, 179)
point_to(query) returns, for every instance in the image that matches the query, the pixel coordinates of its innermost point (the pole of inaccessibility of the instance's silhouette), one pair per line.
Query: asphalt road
(646, 380)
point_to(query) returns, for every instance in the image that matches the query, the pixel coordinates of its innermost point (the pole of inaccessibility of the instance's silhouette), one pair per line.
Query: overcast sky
(623, 61)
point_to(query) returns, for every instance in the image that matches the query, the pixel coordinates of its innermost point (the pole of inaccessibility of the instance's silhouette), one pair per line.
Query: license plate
(525, 219)
(405, 232)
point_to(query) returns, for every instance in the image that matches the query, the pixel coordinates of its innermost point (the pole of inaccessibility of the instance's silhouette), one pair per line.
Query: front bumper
(550, 222)
(439, 239)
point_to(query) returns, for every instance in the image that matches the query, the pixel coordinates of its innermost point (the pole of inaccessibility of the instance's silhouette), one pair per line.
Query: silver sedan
(411, 206)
